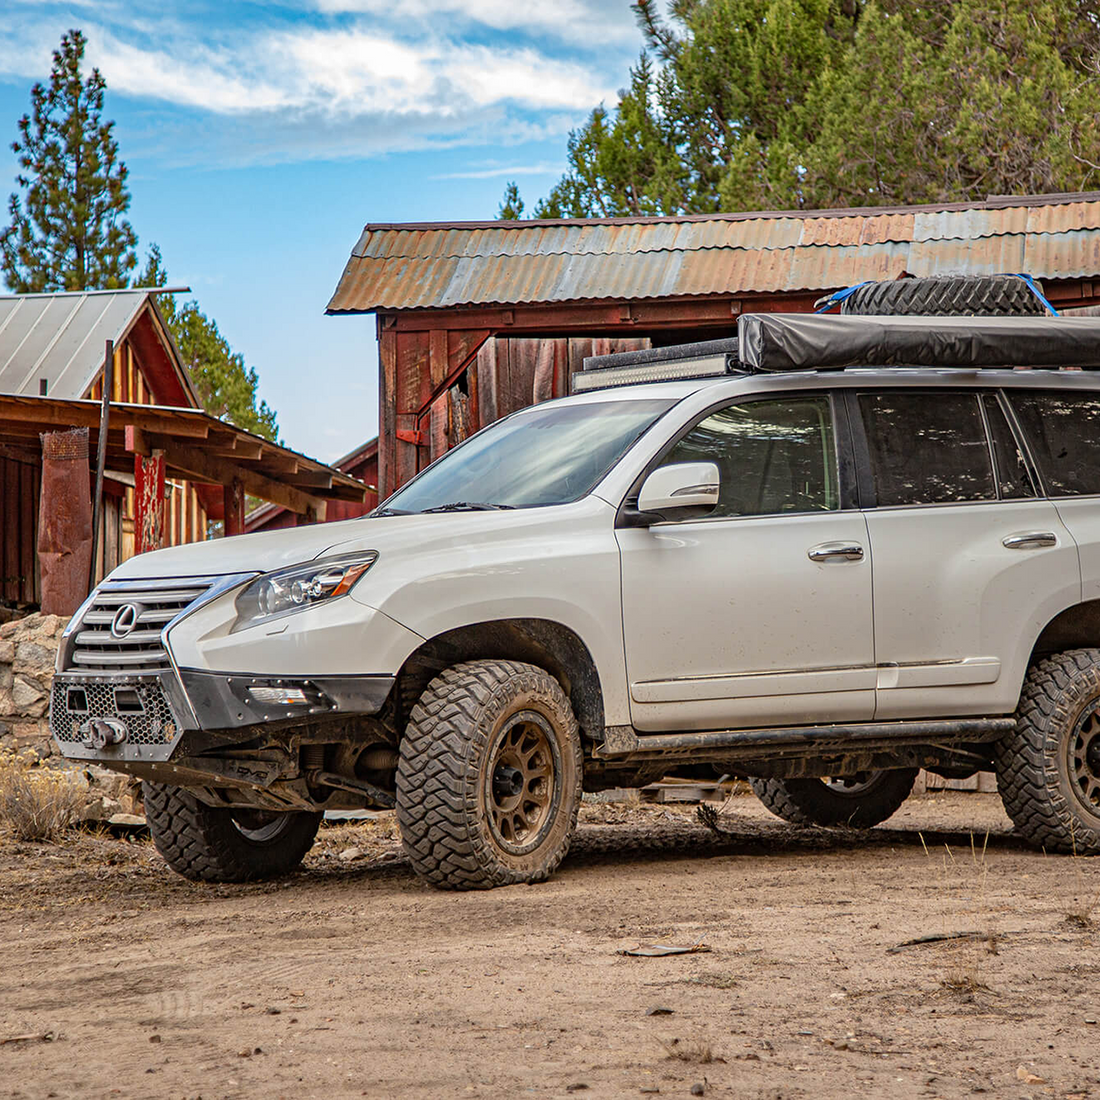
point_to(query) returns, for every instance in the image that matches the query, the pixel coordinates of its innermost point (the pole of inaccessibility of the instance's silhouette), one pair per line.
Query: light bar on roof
(706, 366)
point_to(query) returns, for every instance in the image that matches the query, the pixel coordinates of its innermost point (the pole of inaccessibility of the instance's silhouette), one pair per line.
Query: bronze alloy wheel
(521, 782)
(1083, 759)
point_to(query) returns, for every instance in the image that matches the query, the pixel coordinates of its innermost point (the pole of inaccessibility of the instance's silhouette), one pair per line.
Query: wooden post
(101, 456)
(148, 502)
(233, 496)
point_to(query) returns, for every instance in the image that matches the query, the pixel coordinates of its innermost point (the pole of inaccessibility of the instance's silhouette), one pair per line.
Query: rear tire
(859, 802)
(1048, 769)
(489, 780)
(216, 844)
(946, 296)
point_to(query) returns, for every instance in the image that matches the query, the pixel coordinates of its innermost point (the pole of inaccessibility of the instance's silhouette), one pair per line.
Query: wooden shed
(477, 319)
(51, 378)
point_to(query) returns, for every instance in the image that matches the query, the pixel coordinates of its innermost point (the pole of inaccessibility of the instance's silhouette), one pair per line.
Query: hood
(268, 550)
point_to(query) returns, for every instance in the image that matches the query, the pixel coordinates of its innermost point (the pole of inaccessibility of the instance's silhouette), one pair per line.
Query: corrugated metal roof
(60, 338)
(440, 266)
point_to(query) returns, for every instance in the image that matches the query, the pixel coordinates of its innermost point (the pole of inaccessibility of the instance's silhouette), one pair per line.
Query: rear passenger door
(968, 561)
(1062, 432)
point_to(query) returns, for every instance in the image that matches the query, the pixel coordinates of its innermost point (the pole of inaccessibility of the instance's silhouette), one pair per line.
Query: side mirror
(686, 490)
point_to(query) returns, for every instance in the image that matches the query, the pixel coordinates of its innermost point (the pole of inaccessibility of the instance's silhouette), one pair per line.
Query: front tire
(1048, 769)
(860, 801)
(489, 779)
(215, 844)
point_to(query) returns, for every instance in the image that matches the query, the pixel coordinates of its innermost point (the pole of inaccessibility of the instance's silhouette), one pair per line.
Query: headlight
(288, 590)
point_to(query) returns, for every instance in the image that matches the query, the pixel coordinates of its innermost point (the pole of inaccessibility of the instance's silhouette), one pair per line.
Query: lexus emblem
(125, 619)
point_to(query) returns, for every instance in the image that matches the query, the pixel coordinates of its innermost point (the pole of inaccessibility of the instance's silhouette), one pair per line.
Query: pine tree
(511, 205)
(794, 104)
(226, 387)
(68, 232)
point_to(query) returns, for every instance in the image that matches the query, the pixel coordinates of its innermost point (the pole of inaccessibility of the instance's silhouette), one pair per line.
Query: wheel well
(542, 642)
(1073, 628)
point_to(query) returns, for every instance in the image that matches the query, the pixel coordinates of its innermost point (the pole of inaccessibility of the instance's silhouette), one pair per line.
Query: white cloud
(585, 21)
(545, 168)
(275, 84)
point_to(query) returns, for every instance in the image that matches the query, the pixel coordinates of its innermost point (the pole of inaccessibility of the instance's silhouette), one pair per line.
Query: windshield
(550, 454)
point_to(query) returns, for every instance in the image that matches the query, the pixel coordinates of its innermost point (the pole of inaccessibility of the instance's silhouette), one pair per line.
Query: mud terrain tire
(213, 844)
(489, 780)
(946, 296)
(1048, 769)
(815, 802)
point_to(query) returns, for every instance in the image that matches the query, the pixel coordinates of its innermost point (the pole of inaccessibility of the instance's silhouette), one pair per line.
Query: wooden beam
(135, 440)
(193, 462)
(569, 318)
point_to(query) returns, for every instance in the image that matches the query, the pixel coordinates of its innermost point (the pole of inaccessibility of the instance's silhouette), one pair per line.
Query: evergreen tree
(511, 206)
(68, 232)
(226, 387)
(788, 104)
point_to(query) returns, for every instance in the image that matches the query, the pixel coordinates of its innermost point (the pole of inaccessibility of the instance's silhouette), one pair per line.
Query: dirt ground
(353, 979)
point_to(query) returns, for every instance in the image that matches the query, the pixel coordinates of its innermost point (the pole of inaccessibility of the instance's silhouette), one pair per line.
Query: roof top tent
(477, 319)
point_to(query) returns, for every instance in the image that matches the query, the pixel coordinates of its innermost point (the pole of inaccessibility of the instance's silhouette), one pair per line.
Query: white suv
(819, 579)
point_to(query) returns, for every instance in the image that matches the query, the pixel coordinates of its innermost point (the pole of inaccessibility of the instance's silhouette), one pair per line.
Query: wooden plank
(437, 431)
(112, 522)
(523, 362)
(12, 531)
(542, 384)
(485, 371)
(148, 502)
(28, 550)
(387, 411)
(233, 496)
(437, 356)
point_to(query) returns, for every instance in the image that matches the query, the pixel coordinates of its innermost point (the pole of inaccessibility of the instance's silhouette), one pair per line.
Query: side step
(625, 741)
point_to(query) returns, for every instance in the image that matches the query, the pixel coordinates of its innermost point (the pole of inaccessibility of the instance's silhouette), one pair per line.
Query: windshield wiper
(467, 506)
(379, 512)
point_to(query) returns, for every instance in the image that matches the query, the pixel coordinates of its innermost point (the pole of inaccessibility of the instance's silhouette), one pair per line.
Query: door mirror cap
(686, 490)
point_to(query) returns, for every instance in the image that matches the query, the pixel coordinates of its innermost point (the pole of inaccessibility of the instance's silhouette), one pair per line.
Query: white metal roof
(60, 338)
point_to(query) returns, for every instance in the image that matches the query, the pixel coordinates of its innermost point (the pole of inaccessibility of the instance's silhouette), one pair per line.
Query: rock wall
(28, 648)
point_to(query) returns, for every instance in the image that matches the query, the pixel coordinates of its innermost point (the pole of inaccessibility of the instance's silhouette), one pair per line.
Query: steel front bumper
(142, 718)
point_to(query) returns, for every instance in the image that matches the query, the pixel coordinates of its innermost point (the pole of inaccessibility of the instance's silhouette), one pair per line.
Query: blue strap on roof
(839, 296)
(1034, 288)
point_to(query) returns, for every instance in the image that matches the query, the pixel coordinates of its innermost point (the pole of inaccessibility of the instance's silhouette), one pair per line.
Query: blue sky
(261, 137)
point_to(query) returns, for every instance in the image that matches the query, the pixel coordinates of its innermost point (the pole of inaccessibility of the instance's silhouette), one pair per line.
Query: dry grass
(697, 1051)
(36, 803)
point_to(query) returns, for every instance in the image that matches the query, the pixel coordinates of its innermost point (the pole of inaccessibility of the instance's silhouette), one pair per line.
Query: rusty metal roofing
(59, 338)
(440, 266)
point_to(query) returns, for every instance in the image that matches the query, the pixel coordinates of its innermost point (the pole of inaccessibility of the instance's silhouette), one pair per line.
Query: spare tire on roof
(947, 296)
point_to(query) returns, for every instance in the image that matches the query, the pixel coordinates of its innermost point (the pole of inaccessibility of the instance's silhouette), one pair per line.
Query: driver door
(760, 613)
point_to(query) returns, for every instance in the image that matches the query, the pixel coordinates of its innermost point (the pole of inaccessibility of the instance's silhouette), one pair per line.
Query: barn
(477, 319)
(52, 370)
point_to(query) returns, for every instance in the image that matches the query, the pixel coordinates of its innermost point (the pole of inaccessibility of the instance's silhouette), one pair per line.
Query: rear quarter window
(926, 447)
(1063, 433)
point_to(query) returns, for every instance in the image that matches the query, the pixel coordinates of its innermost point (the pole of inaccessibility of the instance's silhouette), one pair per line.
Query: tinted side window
(1063, 432)
(927, 448)
(1013, 478)
(776, 455)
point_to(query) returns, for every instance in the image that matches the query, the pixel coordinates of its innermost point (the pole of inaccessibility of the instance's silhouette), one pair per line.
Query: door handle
(826, 551)
(1030, 540)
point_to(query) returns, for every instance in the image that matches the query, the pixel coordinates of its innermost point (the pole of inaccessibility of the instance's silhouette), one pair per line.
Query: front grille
(95, 647)
(141, 704)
